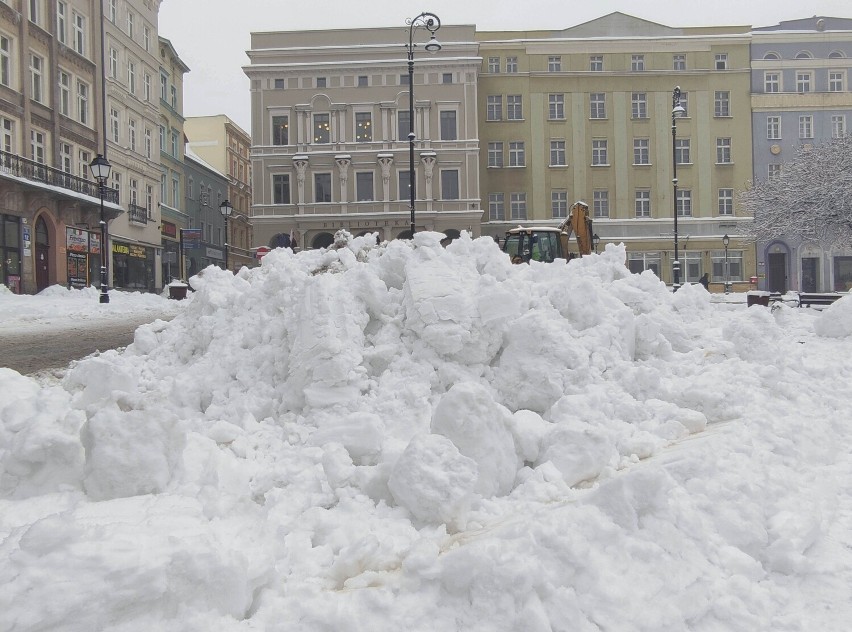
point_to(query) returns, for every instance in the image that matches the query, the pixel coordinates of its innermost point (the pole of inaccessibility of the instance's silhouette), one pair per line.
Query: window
(803, 82)
(557, 153)
(403, 80)
(723, 150)
(278, 84)
(280, 130)
(175, 191)
(511, 64)
(146, 38)
(149, 199)
(404, 185)
(113, 10)
(773, 171)
(722, 103)
(642, 203)
(322, 187)
(363, 81)
(496, 206)
(838, 126)
(35, 11)
(806, 126)
(771, 82)
(84, 158)
(79, 33)
(134, 191)
(684, 103)
(164, 86)
(599, 147)
(36, 70)
(771, 56)
(322, 128)
(448, 125)
(174, 138)
(447, 77)
(684, 203)
(131, 131)
(148, 143)
(600, 203)
(146, 86)
(637, 63)
(163, 197)
(64, 93)
(735, 265)
(131, 77)
(682, 151)
(494, 107)
(773, 127)
(162, 138)
(62, 22)
(726, 201)
(804, 55)
(403, 121)
(116, 182)
(638, 262)
(449, 184)
(640, 105)
(556, 107)
(494, 64)
(559, 204)
(65, 157)
(83, 102)
(174, 97)
(597, 105)
(835, 81)
(322, 82)
(641, 151)
(5, 61)
(364, 186)
(130, 20)
(721, 61)
(280, 189)
(7, 128)
(596, 63)
(363, 127)
(113, 63)
(518, 205)
(37, 146)
(517, 155)
(514, 107)
(495, 154)
(554, 64)
(678, 62)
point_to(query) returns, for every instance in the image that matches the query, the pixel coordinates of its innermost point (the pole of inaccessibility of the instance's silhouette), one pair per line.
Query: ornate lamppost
(100, 168)
(677, 110)
(595, 241)
(431, 23)
(226, 209)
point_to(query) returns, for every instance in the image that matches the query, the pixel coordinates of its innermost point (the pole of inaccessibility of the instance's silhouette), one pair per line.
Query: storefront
(171, 252)
(83, 249)
(10, 252)
(133, 266)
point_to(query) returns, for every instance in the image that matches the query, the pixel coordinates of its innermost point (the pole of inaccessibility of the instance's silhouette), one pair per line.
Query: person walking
(705, 281)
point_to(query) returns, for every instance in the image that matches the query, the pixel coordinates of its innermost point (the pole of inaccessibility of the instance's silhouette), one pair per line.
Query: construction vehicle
(546, 244)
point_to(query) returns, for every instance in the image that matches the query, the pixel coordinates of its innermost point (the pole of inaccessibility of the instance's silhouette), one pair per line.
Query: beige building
(585, 113)
(330, 124)
(50, 121)
(225, 146)
(130, 121)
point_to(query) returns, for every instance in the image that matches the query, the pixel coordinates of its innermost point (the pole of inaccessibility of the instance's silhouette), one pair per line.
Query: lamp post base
(104, 298)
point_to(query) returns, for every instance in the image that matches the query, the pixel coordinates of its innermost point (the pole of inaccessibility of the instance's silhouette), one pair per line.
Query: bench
(808, 299)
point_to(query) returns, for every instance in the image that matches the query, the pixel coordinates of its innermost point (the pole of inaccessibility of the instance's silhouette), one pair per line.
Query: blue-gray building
(206, 189)
(800, 72)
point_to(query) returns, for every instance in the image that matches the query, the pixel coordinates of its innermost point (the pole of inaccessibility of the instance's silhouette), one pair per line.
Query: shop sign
(120, 249)
(168, 229)
(213, 253)
(78, 273)
(94, 243)
(137, 252)
(76, 240)
(191, 237)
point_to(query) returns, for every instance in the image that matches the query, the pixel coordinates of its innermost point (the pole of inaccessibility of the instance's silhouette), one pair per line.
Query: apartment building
(129, 118)
(330, 125)
(225, 146)
(800, 96)
(171, 143)
(206, 189)
(49, 103)
(585, 113)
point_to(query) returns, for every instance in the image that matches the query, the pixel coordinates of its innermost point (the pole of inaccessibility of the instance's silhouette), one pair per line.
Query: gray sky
(211, 36)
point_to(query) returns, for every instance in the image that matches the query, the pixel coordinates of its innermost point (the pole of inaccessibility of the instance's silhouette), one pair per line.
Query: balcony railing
(137, 214)
(14, 165)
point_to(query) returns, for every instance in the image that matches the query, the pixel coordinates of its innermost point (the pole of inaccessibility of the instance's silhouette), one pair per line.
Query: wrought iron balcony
(137, 214)
(14, 165)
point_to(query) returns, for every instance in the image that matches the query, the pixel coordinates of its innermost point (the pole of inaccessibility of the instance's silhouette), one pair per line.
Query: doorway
(777, 281)
(42, 253)
(810, 274)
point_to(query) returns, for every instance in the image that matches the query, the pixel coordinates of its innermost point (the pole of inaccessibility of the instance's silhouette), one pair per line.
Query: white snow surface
(413, 437)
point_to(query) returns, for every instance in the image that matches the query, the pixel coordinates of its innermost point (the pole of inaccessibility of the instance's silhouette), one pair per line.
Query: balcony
(137, 214)
(14, 165)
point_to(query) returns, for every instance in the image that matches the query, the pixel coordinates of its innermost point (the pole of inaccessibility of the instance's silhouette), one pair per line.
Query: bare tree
(811, 198)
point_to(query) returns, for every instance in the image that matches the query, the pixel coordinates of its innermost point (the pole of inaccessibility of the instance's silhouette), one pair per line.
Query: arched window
(836, 54)
(803, 54)
(771, 56)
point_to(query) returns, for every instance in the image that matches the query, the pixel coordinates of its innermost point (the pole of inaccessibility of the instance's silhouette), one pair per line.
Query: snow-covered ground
(407, 437)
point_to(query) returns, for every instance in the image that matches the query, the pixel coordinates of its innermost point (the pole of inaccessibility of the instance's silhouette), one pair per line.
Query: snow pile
(416, 437)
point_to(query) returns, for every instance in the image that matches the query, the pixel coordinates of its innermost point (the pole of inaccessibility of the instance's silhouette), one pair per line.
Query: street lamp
(726, 240)
(677, 110)
(100, 168)
(595, 241)
(226, 209)
(431, 23)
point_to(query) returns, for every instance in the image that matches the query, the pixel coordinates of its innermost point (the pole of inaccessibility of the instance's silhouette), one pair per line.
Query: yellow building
(586, 113)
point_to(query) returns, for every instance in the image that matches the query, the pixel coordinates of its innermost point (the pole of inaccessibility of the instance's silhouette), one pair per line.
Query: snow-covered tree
(811, 198)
